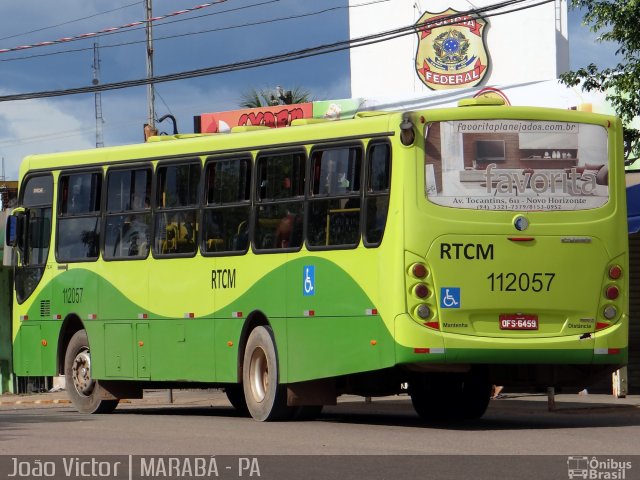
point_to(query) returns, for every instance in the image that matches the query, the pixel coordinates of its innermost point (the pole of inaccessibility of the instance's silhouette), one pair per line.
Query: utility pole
(98, 96)
(150, 92)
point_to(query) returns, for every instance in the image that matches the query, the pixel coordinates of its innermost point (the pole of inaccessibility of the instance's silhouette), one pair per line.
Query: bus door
(29, 232)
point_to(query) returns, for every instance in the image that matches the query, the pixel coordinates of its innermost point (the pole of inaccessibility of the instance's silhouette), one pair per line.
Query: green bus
(434, 253)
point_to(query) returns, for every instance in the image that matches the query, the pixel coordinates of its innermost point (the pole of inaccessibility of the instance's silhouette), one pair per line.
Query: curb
(36, 402)
(595, 409)
(44, 401)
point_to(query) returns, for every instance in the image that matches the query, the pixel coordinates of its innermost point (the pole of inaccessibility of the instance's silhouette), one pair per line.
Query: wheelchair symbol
(309, 280)
(450, 297)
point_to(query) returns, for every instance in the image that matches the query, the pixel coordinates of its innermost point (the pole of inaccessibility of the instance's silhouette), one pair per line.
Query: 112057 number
(520, 282)
(72, 295)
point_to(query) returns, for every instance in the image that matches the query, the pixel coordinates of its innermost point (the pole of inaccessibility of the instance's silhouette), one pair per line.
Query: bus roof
(363, 124)
(172, 146)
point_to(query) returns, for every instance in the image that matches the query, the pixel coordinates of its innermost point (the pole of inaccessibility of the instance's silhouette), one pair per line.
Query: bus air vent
(45, 308)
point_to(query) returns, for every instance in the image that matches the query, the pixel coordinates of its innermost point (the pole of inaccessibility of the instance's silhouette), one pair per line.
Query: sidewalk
(215, 397)
(196, 397)
(567, 401)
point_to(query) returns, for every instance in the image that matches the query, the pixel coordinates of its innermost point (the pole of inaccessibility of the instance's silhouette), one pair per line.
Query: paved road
(202, 423)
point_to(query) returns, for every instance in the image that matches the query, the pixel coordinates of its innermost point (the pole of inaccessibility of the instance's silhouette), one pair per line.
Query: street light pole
(150, 92)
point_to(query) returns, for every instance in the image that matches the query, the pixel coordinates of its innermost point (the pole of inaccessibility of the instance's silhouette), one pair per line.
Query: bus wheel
(266, 400)
(83, 390)
(457, 398)
(235, 395)
(425, 402)
(473, 398)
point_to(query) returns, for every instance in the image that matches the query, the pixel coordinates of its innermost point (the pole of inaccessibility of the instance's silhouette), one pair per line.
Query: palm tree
(266, 97)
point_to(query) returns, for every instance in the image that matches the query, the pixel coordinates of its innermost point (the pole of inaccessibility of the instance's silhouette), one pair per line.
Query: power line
(220, 29)
(266, 22)
(285, 57)
(109, 30)
(68, 22)
(48, 136)
(163, 101)
(290, 56)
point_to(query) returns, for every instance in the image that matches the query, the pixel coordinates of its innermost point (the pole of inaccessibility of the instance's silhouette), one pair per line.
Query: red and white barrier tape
(108, 30)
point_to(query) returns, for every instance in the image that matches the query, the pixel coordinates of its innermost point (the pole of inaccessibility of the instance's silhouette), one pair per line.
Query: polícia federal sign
(452, 52)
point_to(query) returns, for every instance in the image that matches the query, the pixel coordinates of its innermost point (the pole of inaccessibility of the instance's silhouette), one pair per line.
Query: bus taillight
(419, 270)
(615, 272)
(421, 290)
(612, 292)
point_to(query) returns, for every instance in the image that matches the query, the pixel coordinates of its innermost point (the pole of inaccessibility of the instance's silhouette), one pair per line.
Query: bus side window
(334, 197)
(377, 193)
(127, 230)
(227, 206)
(78, 232)
(176, 228)
(280, 203)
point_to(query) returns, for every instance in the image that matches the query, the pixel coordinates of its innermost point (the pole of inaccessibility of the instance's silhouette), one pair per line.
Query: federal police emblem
(451, 50)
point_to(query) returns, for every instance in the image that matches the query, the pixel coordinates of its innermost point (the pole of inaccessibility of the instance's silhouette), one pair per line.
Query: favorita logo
(570, 182)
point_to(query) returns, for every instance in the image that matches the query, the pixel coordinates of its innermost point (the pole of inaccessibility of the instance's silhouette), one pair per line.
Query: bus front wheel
(266, 399)
(82, 389)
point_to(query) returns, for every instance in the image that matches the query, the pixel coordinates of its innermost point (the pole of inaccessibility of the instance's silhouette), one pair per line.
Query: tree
(265, 97)
(615, 21)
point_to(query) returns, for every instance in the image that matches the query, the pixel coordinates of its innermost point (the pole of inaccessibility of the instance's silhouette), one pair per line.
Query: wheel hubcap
(81, 373)
(259, 375)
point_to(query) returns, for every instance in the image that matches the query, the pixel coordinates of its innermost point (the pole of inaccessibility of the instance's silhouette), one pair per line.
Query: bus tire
(451, 398)
(83, 390)
(266, 399)
(235, 395)
(427, 404)
(473, 398)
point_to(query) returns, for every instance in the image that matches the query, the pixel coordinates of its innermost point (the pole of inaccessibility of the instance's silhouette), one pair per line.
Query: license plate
(518, 321)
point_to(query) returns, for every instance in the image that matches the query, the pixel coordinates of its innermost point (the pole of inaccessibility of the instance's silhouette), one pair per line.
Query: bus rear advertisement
(432, 253)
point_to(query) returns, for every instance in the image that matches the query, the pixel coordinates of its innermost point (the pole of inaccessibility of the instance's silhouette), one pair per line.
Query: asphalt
(214, 397)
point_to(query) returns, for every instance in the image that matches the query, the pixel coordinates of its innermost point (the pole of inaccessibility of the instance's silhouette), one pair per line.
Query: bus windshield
(518, 165)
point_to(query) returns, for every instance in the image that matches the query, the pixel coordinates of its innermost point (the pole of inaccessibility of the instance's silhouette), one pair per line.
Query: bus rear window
(517, 165)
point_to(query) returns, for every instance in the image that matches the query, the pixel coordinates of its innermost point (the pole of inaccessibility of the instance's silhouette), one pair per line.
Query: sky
(229, 31)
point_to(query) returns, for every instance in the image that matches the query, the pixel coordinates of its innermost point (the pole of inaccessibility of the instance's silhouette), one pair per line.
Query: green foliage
(614, 21)
(266, 97)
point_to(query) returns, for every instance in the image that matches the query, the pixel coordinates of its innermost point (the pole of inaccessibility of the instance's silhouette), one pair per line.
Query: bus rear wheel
(82, 389)
(235, 395)
(266, 399)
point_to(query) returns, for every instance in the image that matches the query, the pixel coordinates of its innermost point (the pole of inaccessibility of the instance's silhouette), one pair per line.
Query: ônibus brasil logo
(451, 50)
(595, 468)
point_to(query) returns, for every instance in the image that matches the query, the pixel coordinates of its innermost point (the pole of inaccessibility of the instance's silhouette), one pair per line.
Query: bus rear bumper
(419, 344)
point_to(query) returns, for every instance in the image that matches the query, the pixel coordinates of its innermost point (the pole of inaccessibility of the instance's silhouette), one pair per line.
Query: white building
(521, 45)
